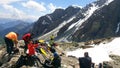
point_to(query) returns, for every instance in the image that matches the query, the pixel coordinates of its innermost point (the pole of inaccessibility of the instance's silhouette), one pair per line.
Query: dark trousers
(26, 60)
(9, 45)
(25, 47)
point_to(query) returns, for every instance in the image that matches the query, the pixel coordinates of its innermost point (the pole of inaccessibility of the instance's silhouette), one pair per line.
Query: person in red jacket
(31, 48)
(27, 37)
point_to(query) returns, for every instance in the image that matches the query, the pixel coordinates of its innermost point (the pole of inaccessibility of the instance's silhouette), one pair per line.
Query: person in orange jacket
(10, 39)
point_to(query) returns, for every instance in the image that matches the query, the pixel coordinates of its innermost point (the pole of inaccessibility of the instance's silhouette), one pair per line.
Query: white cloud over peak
(76, 6)
(10, 10)
(15, 13)
(51, 7)
(34, 5)
(8, 1)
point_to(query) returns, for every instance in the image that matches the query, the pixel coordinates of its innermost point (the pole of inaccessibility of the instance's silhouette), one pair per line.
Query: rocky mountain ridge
(50, 21)
(85, 24)
(103, 23)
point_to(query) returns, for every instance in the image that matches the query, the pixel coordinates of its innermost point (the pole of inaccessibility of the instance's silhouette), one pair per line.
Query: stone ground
(67, 62)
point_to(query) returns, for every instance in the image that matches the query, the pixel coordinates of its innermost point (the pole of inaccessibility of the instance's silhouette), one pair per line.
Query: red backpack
(26, 37)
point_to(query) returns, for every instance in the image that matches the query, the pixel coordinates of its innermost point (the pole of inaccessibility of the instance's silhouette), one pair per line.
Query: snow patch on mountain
(56, 30)
(87, 14)
(108, 2)
(118, 27)
(76, 6)
(99, 53)
(44, 22)
(64, 38)
(49, 17)
(70, 27)
(112, 47)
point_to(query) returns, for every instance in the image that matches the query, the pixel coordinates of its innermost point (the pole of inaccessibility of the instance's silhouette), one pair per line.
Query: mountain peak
(58, 10)
(75, 6)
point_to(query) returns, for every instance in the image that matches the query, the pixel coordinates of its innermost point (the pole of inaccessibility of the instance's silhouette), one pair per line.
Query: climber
(31, 48)
(27, 37)
(30, 57)
(52, 42)
(10, 39)
(86, 61)
(56, 62)
(54, 46)
(53, 63)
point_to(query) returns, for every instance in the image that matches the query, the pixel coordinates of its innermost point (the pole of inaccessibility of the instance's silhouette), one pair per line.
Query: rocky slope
(67, 61)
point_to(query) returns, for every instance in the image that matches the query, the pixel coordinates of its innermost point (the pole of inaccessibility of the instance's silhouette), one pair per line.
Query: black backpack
(24, 60)
(85, 62)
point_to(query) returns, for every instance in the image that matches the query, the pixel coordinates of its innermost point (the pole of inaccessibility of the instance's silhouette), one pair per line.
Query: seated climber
(53, 63)
(86, 61)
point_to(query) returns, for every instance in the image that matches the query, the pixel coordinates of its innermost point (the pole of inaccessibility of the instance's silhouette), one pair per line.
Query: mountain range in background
(18, 26)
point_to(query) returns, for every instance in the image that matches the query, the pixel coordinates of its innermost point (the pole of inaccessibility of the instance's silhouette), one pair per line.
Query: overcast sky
(33, 9)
